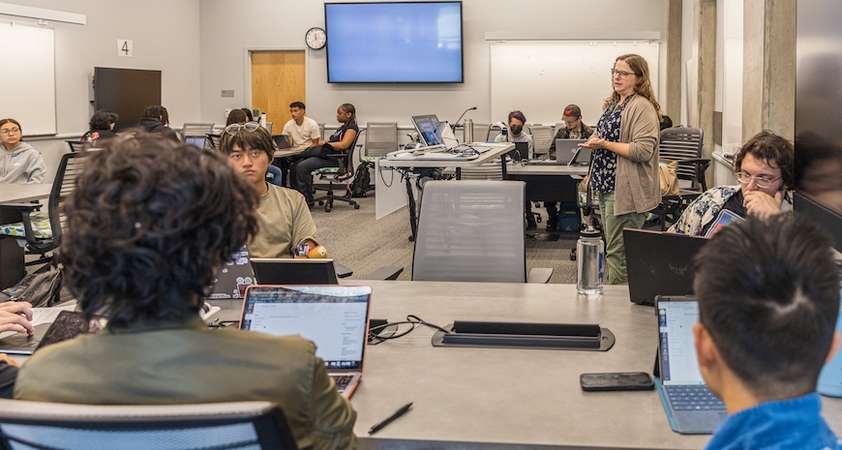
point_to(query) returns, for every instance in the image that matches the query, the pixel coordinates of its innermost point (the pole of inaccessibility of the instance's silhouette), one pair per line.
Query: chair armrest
(386, 273)
(539, 275)
(342, 271)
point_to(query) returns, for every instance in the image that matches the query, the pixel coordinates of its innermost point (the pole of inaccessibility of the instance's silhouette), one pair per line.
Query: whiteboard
(541, 77)
(28, 77)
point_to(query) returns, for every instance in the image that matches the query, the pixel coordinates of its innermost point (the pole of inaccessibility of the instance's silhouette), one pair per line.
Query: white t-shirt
(302, 135)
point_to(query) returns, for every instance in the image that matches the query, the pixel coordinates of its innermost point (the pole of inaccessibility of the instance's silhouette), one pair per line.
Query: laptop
(233, 278)
(281, 141)
(659, 263)
(522, 148)
(198, 141)
(68, 325)
(42, 319)
(335, 318)
(690, 406)
(582, 157)
(294, 271)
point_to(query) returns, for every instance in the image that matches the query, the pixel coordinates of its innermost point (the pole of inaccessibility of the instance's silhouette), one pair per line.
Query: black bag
(41, 288)
(362, 180)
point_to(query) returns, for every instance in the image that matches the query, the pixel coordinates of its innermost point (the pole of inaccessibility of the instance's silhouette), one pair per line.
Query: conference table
(19, 193)
(514, 399)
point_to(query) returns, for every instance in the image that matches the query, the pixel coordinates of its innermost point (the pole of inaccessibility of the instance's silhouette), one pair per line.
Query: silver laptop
(566, 151)
(690, 406)
(335, 318)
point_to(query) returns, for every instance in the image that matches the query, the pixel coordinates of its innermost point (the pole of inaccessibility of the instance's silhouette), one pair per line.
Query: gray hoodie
(21, 164)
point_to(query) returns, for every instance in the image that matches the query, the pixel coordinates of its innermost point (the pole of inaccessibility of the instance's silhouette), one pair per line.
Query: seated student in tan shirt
(283, 218)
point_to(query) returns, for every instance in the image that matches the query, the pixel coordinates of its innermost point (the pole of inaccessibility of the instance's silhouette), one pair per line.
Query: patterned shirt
(603, 172)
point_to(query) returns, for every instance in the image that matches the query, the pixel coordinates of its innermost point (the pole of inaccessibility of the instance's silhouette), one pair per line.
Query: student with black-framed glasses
(764, 168)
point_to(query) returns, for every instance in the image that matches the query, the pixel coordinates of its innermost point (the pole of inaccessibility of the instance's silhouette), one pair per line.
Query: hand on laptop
(16, 316)
(762, 205)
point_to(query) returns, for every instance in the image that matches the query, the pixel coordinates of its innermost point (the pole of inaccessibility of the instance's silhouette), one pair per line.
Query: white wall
(166, 38)
(228, 29)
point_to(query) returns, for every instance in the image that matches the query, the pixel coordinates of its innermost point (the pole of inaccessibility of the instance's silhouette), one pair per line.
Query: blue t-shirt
(786, 424)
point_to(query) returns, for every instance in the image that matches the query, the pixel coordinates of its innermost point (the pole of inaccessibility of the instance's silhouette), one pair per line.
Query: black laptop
(233, 278)
(281, 141)
(659, 263)
(294, 271)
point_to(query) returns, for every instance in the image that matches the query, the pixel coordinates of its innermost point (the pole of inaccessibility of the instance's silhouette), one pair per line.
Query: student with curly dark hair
(765, 170)
(101, 125)
(156, 119)
(147, 227)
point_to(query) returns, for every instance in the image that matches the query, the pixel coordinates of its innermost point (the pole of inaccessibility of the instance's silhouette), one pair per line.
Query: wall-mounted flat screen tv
(126, 92)
(394, 42)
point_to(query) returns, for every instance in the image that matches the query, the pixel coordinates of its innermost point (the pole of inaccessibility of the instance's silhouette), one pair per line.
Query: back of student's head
(249, 114)
(249, 135)
(155, 112)
(149, 223)
(236, 116)
(101, 120)
(769, 297)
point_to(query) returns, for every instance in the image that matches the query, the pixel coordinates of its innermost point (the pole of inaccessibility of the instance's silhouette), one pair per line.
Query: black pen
(403, 410)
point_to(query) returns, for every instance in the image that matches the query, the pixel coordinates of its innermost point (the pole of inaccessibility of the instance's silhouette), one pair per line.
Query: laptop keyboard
(342, 381)
(693, 398)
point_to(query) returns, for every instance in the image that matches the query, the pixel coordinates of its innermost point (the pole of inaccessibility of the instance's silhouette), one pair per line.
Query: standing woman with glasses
(20, 162)
(624, 171)
(765, 169)
(319, 156)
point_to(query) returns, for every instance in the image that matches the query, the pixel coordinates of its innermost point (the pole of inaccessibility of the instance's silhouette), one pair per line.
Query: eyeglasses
(235, 128)
(621, 73)
(761, 181)
(14, 130)
(252, 154)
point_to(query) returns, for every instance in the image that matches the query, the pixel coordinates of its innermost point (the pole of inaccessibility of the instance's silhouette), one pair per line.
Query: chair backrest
(76, 146)
(64, 184)
(471, 231)
(251, 425)
(542, 138)
(268, 127)
(487, 171)
(380, 138)
(481, 132)
(274, 175)
(493, 132)
(321, 130)
(682, 143)
(196, 129)
(213, 140)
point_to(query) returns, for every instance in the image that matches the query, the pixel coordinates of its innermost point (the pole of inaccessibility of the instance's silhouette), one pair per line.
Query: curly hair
(772, 149)
(149, 223)
(102, 120)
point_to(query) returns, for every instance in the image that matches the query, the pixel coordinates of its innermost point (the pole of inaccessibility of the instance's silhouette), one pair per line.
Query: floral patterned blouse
(603, 172)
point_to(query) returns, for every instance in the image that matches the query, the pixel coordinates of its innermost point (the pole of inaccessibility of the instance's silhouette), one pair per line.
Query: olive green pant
(612, 230)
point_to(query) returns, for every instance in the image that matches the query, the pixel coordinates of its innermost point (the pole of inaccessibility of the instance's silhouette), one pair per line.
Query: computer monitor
(428, 129)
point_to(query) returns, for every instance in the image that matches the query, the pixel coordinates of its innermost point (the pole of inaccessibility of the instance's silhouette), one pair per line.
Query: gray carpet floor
(357, 240)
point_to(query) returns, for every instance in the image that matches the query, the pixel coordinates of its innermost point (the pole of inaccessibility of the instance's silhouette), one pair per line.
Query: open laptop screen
(428, 129)
(678, 351)
(334, 318)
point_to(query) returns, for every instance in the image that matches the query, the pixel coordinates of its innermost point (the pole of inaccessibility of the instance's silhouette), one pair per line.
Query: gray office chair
(380, 139)
(493, 132)
(481, 132)
(196, 129)
(682, 145)
(57, 426)
(473, 231)
(542, 138)
(487, 171)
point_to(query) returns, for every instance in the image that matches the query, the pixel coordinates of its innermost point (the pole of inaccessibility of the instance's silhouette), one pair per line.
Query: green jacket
(189, 363)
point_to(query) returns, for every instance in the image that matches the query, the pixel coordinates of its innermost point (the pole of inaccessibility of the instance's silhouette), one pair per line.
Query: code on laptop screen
(678, 351)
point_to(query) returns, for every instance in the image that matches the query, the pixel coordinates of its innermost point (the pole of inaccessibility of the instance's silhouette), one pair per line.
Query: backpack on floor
(362, 179)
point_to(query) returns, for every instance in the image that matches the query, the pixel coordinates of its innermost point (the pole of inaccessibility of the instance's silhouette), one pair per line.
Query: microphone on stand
(453, 127)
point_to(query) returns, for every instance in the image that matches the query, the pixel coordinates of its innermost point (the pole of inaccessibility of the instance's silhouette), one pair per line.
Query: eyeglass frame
(621, 73)
(759, 182)
(235, 128)
(10, 131)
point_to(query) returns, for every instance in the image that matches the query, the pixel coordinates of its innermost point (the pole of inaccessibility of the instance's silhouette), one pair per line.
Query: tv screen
(410, 42)
(126, 92)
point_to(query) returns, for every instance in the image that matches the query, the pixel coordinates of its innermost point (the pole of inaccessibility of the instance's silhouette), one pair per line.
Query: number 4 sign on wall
(125, 47)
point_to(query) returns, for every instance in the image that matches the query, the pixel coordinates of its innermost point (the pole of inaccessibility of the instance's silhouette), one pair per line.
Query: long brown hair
(643, 87)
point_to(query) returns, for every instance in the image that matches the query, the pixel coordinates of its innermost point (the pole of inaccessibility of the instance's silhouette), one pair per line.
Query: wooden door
(277, 79)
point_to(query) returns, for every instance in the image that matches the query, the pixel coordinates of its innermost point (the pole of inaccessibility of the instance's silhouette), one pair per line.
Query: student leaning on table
(20, 162)
(148, 225)
(624, 172)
